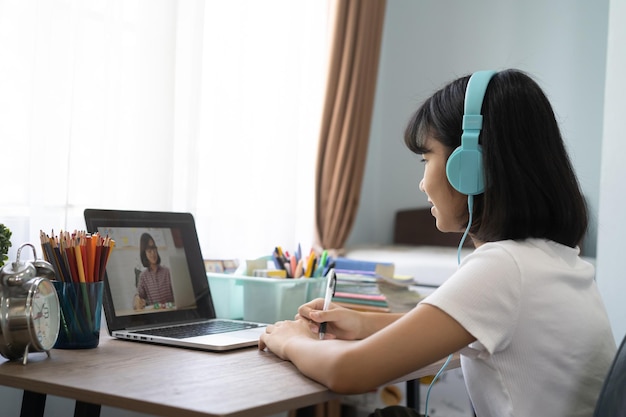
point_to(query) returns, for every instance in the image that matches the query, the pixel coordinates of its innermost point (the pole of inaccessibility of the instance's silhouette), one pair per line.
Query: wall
(562, 43)
(612, 227)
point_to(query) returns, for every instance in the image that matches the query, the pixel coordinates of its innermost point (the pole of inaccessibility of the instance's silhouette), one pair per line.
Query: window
(210, 107)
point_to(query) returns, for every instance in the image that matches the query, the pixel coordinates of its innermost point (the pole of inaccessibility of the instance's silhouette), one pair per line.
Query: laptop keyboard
(199, 329)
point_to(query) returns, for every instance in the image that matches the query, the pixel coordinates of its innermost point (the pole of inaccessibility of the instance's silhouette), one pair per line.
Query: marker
(293, 263)
(310, 264)
(321, 265)
(331, 283)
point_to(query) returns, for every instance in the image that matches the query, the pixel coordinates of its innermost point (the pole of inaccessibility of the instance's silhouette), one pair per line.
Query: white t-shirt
(544, 343)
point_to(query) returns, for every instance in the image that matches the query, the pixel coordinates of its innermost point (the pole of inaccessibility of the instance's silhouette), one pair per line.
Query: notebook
(170, 303)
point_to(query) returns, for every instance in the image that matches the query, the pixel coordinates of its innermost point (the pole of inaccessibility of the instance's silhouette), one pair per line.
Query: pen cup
(81, 306)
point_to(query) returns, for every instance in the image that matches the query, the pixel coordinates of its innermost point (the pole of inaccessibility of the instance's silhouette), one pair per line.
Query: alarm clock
(30, 313)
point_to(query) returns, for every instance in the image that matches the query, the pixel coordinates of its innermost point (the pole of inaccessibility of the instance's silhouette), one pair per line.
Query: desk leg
(330, 408)
(86, 409)
(333, 408)
(33, 404)
(413, 394)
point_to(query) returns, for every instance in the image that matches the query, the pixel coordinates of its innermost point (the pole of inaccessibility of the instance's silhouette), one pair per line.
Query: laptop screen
(155, 275)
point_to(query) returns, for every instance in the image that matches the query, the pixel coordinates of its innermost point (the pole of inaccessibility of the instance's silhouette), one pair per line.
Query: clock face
(45, 314)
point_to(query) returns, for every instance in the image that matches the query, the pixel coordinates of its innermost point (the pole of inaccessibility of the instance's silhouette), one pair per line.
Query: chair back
(612, 399)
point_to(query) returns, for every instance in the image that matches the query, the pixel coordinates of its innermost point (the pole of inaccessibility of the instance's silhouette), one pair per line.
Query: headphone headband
(464, 167)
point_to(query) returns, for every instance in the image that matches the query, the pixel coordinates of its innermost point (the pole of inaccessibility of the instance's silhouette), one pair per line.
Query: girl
(155, 282)
(523, 309)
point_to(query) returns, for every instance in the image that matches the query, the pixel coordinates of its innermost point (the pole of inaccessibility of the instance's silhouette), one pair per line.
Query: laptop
(140, 305)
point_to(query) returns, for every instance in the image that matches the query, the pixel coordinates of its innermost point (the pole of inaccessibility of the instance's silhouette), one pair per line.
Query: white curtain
(211, 107)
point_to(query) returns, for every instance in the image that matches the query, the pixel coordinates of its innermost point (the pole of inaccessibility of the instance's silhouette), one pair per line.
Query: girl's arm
(418, 338)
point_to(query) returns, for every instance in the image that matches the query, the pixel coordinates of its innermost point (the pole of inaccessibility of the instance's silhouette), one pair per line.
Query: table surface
(167, 381)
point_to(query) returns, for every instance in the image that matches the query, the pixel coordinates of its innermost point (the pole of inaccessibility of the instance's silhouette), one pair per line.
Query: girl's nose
(421, 186)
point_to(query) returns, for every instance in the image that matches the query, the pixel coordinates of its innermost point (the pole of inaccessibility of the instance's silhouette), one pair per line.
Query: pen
(309, 265)
(321, 265)
(294, 265)
(331, 265)
(331, 283)
(299, 269)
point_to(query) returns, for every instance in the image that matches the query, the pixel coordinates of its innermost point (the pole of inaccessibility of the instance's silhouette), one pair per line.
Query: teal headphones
(465, 166)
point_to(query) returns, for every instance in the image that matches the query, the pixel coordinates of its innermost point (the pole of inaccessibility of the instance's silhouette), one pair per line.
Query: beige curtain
(346, 118)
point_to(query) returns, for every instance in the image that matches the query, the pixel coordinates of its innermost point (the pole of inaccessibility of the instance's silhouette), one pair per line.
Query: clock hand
(43, 312)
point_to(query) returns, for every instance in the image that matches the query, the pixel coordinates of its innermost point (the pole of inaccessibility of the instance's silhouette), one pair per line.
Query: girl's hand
(138, 302)
(278, 335)
(341, 323)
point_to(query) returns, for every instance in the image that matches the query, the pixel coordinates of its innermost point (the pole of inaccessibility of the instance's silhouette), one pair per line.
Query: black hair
(531, 189)
(143, 245)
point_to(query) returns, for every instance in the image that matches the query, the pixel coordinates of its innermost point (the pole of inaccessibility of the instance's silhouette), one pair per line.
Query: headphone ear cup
(464, 170)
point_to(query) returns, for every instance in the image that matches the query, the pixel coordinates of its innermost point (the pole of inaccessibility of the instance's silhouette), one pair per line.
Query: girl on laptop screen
(155, 283)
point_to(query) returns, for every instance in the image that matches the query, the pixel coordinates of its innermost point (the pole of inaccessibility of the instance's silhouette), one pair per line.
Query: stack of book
(357, 284)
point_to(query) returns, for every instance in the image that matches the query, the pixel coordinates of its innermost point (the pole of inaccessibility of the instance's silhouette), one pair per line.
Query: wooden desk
(167, 381)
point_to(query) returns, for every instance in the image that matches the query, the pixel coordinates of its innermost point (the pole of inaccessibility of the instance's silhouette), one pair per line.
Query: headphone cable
(470, 207)
(443, 367)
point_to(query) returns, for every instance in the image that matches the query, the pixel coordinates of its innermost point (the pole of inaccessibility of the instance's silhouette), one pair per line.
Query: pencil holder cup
(81, 306)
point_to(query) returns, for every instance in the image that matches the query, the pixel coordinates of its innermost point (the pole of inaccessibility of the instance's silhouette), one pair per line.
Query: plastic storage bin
(227, 295)
(264, 300)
